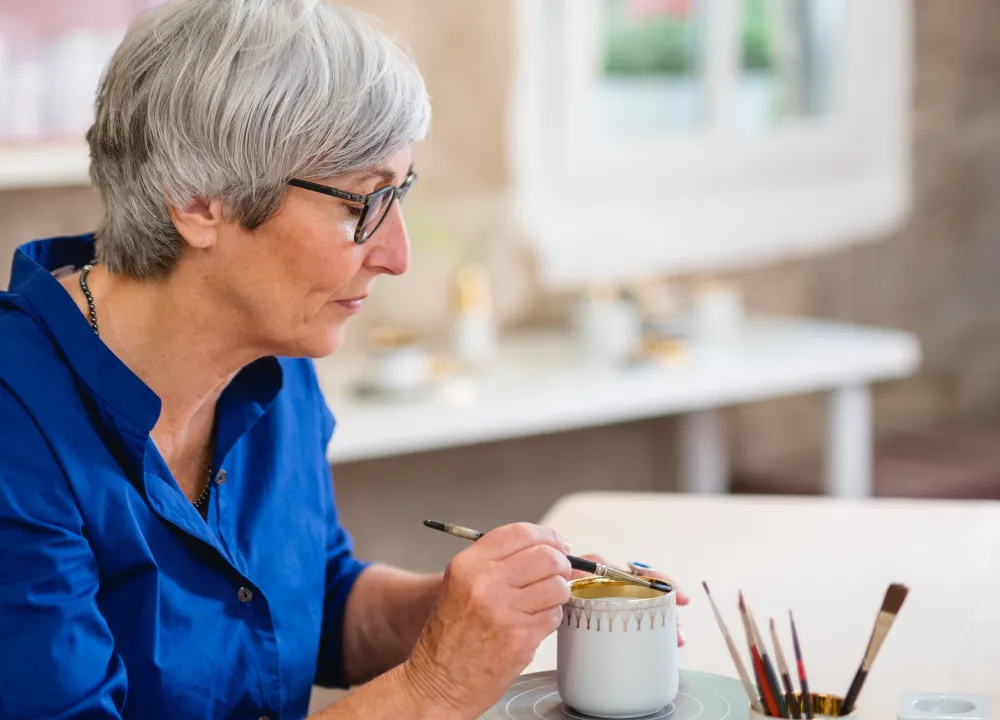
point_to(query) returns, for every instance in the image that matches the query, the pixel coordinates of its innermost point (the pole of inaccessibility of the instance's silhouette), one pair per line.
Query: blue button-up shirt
(116, 598)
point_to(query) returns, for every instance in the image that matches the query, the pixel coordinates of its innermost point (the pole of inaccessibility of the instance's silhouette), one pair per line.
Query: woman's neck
(178, 341)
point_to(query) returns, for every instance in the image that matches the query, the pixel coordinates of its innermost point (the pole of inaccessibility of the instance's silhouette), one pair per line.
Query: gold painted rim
(611, 590)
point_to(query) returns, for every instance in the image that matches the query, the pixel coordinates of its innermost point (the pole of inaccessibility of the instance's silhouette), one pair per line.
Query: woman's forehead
(391, 171)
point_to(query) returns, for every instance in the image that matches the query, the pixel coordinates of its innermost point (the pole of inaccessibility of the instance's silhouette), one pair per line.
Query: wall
(936, 277)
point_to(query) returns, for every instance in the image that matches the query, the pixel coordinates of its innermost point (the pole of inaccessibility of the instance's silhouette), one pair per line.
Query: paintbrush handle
(577, 563)
(807, 700)
(894, 598)
(772, 680)
(807, 704)
(770, 676)
(752, 695)
(793, 706)
(748, 687)
(770, 701)
(852, 693)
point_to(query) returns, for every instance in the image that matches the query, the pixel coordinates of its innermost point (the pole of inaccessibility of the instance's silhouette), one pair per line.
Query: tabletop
(828, 560)
(541, 382)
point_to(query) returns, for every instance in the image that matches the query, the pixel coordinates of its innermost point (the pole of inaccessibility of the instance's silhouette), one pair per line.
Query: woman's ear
(199, 222)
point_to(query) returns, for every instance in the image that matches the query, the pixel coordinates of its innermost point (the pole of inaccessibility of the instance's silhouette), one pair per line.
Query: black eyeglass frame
(398, 193)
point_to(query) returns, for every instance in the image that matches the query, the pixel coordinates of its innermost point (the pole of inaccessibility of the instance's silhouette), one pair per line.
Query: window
(668, 136)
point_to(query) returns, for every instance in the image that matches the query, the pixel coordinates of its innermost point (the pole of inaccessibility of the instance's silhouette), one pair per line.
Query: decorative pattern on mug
(602, 615)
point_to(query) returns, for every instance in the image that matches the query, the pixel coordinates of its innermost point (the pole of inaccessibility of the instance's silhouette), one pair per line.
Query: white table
(539, 383)
(830, 561)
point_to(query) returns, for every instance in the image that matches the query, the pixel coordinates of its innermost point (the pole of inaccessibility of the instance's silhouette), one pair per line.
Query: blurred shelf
(44, 164)
(540, 383)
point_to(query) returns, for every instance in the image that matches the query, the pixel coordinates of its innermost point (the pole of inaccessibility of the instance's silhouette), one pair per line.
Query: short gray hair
(230, 99)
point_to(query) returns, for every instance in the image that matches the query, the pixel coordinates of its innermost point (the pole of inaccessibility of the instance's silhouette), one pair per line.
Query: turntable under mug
(702, 696)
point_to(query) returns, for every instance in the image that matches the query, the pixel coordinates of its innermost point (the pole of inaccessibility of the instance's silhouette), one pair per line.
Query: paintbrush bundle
(773, 694)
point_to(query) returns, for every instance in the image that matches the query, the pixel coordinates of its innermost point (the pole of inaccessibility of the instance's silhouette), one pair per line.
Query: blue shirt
(116, 598)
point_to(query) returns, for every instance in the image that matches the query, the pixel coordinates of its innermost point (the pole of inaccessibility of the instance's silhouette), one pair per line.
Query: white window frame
(717, 199)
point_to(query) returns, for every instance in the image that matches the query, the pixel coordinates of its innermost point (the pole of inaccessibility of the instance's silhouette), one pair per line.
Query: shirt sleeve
(342, 569)
(57, 657)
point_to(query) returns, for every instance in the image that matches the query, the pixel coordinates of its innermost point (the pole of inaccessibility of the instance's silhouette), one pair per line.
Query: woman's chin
(318, 343)
(328, 342)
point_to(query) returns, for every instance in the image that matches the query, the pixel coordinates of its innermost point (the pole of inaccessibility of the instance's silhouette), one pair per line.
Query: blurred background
(613, 194)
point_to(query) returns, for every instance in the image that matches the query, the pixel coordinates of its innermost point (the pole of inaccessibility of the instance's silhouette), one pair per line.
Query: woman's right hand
(500, 598)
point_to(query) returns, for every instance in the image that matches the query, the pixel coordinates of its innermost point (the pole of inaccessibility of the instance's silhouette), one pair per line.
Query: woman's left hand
(682, 598)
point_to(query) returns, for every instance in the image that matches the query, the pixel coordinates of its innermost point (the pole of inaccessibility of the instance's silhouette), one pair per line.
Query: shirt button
(220, 477)
(245, 594)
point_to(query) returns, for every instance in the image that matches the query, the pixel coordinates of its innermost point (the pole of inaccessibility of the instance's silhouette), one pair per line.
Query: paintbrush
(786, 677)
(737, 660)
(766, 690)
(893, 600)
(765, 660)
(578, 563)
(807, 703)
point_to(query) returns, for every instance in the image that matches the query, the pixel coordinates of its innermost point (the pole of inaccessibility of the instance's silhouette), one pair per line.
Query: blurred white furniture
(828, 560)
(540, 383)
(44, 165)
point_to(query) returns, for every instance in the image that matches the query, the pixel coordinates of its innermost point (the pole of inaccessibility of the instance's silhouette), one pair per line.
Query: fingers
(536, 563)
(508, 540)
(549, 594)
(549, 620)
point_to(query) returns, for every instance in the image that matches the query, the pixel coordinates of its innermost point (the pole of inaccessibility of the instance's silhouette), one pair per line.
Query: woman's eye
(354, 211)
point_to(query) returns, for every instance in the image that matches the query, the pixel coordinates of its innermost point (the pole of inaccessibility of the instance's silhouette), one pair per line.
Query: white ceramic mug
(617, 649)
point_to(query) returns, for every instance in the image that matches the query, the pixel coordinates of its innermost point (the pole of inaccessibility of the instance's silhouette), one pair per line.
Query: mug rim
(657, 599)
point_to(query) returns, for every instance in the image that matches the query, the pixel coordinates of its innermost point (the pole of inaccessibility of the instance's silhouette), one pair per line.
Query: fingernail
(565, 544)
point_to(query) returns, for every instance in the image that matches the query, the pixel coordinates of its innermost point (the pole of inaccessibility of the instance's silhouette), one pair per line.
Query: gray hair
(230, 99)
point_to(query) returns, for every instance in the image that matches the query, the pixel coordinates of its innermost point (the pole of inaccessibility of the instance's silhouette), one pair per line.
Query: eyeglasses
(375, 206)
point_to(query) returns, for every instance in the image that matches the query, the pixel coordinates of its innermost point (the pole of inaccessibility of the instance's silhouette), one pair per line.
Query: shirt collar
(135, 405)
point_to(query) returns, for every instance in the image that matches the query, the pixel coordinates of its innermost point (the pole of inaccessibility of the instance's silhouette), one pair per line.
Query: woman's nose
(390, 245)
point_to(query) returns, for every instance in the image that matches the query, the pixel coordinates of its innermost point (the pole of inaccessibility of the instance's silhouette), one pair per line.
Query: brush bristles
(660, 585)
(894, 598)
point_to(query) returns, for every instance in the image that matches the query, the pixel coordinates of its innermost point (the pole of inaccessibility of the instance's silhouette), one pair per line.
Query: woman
(171, 545)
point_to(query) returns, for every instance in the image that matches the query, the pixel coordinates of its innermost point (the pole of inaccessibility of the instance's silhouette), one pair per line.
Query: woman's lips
(352, 304)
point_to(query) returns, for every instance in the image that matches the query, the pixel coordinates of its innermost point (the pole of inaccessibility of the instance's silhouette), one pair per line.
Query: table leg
(849, 444)
(704, 467)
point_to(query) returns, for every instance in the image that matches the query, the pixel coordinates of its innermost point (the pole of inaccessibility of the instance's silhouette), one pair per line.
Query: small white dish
(943, 706)
(399, 369)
